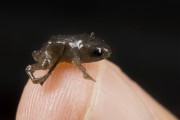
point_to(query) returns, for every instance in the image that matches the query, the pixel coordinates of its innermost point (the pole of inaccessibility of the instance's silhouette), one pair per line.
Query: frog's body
(74, 49)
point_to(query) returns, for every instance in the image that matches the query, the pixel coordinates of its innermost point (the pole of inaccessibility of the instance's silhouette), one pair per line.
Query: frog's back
(67, 38)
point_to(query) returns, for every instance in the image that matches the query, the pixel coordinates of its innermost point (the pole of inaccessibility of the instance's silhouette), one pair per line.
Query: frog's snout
(107, 52)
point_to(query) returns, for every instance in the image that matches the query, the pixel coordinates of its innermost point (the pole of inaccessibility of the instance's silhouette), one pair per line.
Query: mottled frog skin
(75, 49)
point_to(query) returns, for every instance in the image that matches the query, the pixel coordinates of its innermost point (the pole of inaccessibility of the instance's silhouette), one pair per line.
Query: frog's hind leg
(31, 68)
(49, 63)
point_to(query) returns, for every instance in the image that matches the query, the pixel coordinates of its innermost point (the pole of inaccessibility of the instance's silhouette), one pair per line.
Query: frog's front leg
(85, 73)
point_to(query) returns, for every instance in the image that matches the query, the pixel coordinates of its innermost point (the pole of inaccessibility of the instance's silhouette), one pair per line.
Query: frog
(75, 49)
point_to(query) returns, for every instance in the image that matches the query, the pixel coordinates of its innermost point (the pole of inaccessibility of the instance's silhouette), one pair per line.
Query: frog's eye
(97, 52)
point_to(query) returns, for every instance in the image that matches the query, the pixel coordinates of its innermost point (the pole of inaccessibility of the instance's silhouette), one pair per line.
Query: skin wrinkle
(124, 80)
(96, 91)
(156, 109)
(146, 99)
(117, 88)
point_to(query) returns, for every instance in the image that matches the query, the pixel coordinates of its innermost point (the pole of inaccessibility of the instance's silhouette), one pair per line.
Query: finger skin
(66, 95)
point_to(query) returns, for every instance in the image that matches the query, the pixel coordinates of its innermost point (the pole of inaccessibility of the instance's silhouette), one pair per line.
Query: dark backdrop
(145, 40)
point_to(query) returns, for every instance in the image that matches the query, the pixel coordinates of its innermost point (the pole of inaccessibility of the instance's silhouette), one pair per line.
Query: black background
(145, 40)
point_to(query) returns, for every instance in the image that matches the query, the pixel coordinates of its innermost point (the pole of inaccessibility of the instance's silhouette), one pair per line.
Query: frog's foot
(83, 70)
(40, 80)
(88, 77)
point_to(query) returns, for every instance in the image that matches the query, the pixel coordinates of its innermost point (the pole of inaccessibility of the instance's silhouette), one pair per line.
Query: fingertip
(113, 97)
(65, 94)
(118, 97)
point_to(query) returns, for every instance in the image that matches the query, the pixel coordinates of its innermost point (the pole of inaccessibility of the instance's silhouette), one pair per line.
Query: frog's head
(94, 49)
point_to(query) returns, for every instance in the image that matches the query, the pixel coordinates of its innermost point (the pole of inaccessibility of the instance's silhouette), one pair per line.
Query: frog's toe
(88, 77)
(43, 79)
(40, 80)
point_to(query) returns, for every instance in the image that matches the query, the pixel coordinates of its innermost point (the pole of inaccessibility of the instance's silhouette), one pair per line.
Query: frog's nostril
(107, 52)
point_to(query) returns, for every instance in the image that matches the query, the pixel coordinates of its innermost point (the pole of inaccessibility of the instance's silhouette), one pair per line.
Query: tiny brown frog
(75, 49)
